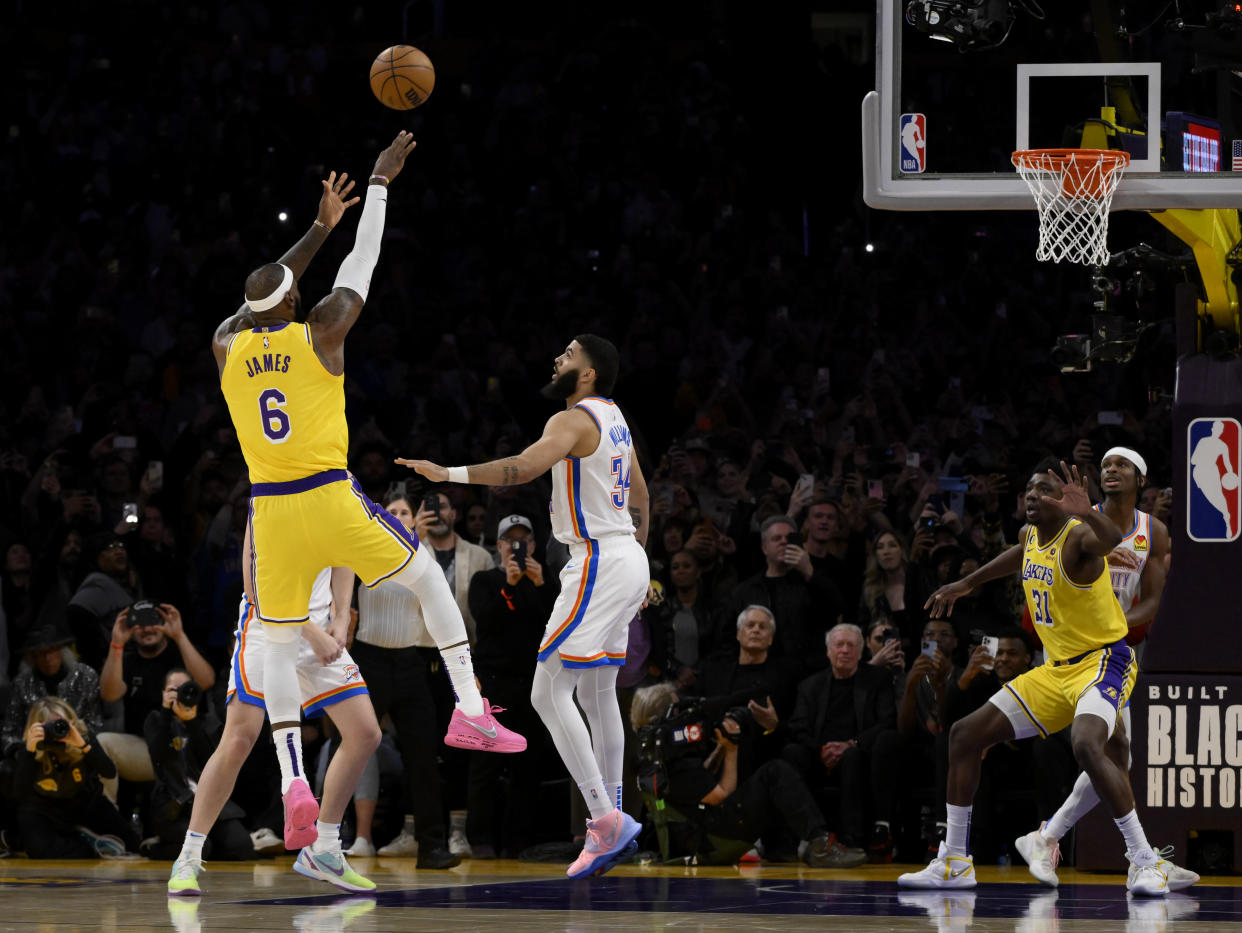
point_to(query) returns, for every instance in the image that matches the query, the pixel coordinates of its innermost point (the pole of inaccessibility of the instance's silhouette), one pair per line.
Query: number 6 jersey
(288, 410)
(1070, 618)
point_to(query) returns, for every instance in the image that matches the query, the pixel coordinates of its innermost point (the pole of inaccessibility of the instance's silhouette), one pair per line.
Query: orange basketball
(402, 77)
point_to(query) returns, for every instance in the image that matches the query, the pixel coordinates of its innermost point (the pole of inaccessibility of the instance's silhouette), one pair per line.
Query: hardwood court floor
(516, 897)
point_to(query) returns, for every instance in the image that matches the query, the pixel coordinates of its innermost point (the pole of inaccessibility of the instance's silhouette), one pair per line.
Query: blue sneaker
(609, 841)
(105, 846)
(332, 868)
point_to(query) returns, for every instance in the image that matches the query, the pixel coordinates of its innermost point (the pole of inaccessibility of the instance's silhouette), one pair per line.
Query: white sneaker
(948, 912)
(944, 871)
(264, 840)
(459, 845)
(1041, 856)
(1179, 878)
(361, 848)
(1041, 914)
(1146, 880)
(404, 844)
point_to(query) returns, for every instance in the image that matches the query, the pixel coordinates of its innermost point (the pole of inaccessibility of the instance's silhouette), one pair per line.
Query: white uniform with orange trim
(606, 578)
(321, 684)
(1128, 559)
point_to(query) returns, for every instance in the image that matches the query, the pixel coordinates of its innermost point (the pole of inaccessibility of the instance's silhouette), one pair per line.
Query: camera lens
(56, 729)
(189, 693)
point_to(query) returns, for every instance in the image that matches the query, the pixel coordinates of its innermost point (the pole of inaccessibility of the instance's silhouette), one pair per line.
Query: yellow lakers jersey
(1071, 618)
(288, 410)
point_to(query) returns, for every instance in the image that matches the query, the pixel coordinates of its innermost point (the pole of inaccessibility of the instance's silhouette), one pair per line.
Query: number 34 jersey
(288, 410)
(1070, 618)
(590, 495)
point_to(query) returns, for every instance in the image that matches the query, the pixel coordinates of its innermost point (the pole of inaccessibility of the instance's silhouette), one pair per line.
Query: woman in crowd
(63, 812)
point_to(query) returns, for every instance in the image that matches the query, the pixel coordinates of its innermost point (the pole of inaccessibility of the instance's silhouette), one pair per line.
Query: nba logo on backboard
(913, 142)
(1213, 511)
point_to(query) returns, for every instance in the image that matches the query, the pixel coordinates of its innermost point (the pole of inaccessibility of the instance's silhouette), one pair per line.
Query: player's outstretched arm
(332, 318)
(940, 603)
(333, 202)
(562, 432)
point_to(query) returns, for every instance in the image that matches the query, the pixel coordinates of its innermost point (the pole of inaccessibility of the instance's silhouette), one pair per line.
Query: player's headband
(276, 297)
(1132, 455)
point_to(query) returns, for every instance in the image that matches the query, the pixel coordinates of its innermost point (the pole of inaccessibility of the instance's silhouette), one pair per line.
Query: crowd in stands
(828, 433)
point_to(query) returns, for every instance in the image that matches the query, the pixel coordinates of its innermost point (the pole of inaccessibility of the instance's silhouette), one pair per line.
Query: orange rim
(1037, 158)
(1076, 168)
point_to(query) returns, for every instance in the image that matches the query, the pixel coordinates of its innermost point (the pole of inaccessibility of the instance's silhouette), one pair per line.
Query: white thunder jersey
(590, 494)
(1127, 560)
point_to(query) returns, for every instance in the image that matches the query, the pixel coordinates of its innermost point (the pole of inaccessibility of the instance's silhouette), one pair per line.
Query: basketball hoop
(1073, 191)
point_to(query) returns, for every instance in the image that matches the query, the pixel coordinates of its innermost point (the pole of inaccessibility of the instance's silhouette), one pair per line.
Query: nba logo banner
(913, 142)
(1213, 511)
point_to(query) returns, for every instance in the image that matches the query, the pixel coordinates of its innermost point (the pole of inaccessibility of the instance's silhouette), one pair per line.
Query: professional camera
(189, 693)
(688, 728)
(55, 731)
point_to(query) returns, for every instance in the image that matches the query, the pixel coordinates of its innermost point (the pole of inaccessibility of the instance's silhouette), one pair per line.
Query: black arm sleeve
(167, 761)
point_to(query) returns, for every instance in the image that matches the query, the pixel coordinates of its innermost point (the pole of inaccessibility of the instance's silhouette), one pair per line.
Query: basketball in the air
(1229, 481)
(402, 77)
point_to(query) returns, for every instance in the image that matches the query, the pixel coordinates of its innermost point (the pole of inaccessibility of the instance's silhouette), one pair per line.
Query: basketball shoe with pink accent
(482, 733)
(301, 812)
(609, 840)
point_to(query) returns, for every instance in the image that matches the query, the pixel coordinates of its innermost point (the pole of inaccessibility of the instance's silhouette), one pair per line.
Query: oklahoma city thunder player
(1086, 679)
(284, 385)
(1136, 572)
(330, 682)
(598, 490)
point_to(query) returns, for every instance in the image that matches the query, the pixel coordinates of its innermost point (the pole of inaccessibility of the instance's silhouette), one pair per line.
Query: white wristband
(459, 475)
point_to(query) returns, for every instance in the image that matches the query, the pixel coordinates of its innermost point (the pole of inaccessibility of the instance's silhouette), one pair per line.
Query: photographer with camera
(63, 812)
(148, 641)
(180, 739)
(770, 683)
(713, 814)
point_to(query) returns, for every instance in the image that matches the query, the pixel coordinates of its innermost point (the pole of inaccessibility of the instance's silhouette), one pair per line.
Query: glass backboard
(961, 84)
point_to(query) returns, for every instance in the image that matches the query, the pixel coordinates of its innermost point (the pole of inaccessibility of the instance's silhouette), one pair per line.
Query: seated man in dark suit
(770, 682)
(844, 735)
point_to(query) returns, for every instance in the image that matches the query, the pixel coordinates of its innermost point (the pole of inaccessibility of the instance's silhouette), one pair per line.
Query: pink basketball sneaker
(482, 733)
(609, 840)
(301, 811)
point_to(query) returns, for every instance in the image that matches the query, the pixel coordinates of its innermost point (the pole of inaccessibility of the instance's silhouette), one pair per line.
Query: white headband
(1132, 455)
(276, 297)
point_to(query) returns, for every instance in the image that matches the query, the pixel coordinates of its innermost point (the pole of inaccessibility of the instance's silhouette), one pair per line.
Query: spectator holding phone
(148, 641)
(510, 604)
(63, 811)
(885, 651)
(893, 587)
(806, 602)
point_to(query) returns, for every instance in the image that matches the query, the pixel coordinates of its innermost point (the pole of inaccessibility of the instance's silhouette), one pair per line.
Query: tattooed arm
(570, 432)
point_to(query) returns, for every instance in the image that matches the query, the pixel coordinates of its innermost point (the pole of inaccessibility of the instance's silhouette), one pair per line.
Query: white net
(1073, 191)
